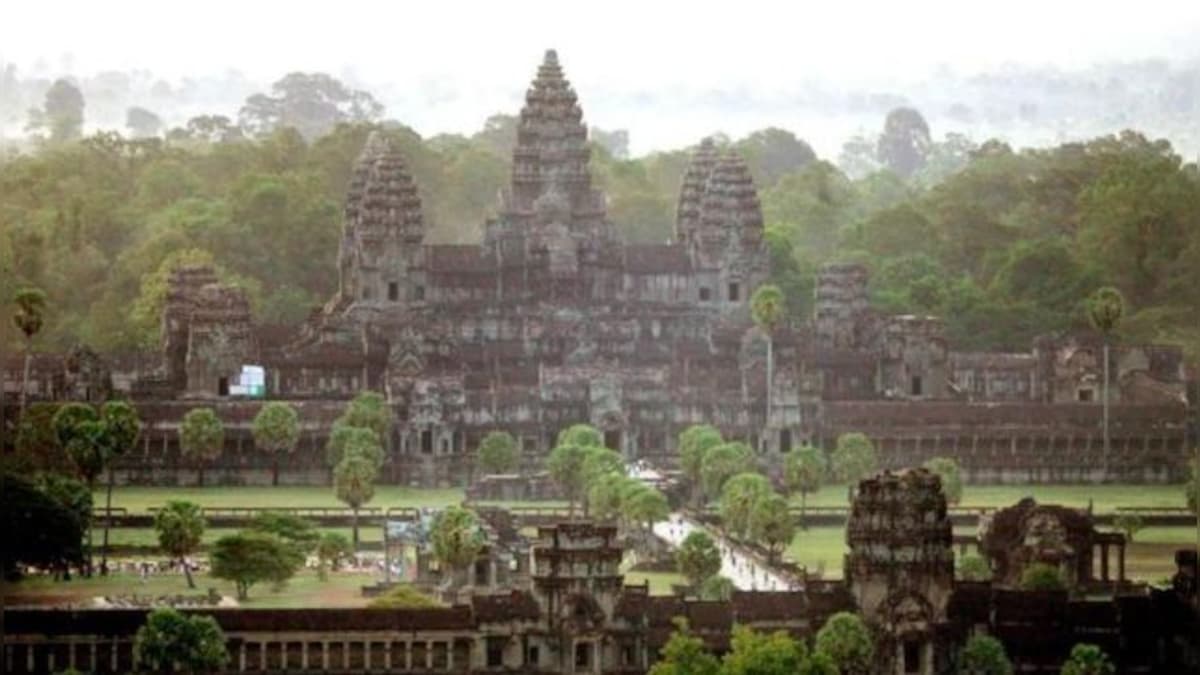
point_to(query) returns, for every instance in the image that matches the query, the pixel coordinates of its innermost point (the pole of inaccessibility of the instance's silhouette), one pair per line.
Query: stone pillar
(324, 655)
(1104, 561)
(112, 657)
(450, 655)
(92, 665)
(1121, 562)
(428, 655)
(303, 653)
(345, 655)
(408, 647)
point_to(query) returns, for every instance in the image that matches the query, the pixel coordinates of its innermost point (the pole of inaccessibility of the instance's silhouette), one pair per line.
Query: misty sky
(443, 65)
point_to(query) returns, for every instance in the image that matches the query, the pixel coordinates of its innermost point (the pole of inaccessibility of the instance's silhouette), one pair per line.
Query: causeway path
(746, 571)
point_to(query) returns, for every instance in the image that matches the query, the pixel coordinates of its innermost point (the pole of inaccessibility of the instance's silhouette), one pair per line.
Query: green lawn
(386, 496)
(1104, 498)
(147, 536)
(304, 590)
(660, 582)
(1149, 558)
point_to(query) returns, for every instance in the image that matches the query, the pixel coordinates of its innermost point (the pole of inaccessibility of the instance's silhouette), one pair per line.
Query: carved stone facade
(900, 568)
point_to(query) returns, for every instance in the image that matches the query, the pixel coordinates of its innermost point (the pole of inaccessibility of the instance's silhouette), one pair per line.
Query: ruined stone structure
(572, 613)
(900, 568)
(552, 320)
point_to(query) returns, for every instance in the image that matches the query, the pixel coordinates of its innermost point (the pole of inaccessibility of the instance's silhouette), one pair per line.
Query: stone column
(1104, 562)
(408, 647)
(428, 655)
(450, 655)
(1121, 563)
(303, 653)
(324, 655)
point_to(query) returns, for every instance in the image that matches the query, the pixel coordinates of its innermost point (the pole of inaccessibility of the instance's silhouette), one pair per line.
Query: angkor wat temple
(551, 320)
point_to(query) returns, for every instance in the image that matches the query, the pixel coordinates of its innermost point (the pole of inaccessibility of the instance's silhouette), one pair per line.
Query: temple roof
(691, 190)
(382, 196)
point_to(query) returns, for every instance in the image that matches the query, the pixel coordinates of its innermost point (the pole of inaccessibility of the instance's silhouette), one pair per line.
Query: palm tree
(1105, 308)
(201, 437)
(767, 309)
(29, 318)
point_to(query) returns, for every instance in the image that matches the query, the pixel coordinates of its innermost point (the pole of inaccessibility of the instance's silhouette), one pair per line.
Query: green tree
(142, 123)
(29, 317)
(1105, 308)
(362, 439)
(122, 427)
(755, 653)
(201, 437)
(311, 103)
(947, 470)
(854, 457)
(1042, 577)
(803, 473)
(1129, 524)
(767, 307)
(973, 568)
(643, 506)
(984, 655)
(171, 641)
(846, 640)
(300, 533)
(738, 498)
(61, 116)
(566, 466)
(332, 549)
(457, 538)
(180, 527)
(369, 410)
(716, 588)
(598, 462)
(1087, 659)
(905, 143)
(697, 557)
(685, 654)
(39, 530)
(93, 441)
(404, 596)
(722, 463)
(354, 482)
(771, 524)
(276, 431)
(605, 496)
(249, 558)
(581, 434)
(497, 453)
(694, 442)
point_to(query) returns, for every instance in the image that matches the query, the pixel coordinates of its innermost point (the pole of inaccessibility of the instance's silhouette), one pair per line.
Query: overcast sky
(464, 60)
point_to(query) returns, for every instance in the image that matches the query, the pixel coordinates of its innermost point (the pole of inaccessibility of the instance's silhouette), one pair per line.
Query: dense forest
(1004, 243)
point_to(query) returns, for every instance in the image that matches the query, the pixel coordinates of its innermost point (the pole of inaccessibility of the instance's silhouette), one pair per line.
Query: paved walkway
(746, 572)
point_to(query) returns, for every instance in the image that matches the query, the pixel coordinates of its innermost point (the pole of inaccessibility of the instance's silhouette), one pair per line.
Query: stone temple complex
(552, 319)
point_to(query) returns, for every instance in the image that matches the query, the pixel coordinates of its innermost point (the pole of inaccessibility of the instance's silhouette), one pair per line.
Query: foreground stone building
(573, 613)
(552, 319)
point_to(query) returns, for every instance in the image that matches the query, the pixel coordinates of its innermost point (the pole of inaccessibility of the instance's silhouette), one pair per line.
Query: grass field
(1149, 558)
(1104, 498)
(304, 590)
(137, 499)
(146, 536)
(660, 582)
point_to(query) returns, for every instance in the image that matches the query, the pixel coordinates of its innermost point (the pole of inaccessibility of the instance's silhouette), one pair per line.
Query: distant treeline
(1004, 244)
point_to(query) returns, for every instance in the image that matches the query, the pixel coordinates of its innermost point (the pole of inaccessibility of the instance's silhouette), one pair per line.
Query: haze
(667, 72)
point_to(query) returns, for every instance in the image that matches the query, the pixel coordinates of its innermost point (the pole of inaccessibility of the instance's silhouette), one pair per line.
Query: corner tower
(384, 229)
